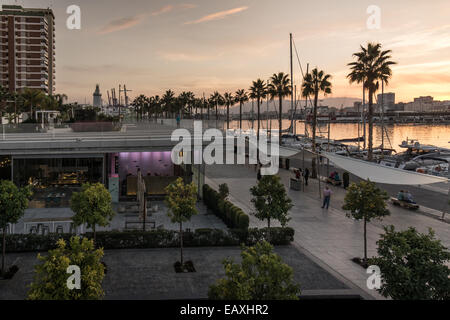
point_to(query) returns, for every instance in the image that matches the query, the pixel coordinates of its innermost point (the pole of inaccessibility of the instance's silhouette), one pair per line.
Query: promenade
(328, 235)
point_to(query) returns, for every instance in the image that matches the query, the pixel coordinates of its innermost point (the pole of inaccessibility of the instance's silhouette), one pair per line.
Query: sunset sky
(207, 45)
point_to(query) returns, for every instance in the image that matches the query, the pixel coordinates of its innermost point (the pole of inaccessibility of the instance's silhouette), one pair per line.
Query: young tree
(365, 201)
(13, 202)
(181, 200)
(271, 201)
(51, 277)
(262, 275)
(413, 265)
(92, 205)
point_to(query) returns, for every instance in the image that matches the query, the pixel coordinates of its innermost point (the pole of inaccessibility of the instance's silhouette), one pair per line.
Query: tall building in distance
(27, 48)
(97, 97)
(386, 99)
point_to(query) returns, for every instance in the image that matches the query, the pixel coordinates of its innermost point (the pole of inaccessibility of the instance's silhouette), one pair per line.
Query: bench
(404, 204)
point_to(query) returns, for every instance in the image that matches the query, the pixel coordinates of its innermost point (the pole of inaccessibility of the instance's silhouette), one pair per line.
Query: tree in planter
(50, 280)
(92, 206)
(413, 265)
(365, 201)
(181, 200)
(13, 202)
(271, 201)
(224, 191)
(262, 275)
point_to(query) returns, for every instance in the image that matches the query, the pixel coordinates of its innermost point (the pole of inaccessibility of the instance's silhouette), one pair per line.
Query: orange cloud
(170, 8)
(122, 24)
(217, 15)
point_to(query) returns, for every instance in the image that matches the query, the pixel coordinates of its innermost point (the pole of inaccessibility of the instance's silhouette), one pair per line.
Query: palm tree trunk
(280, 119)
(228, 116)
(240, 115)
(370, 116)
(257, 133)
(314, 127)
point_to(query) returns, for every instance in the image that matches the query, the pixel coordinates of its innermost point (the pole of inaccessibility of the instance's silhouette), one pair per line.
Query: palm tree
(229, 101)
(186, 99)
(218, 100)
(32, 97)
(241, 97)
(279, 87)
(315, 82)
(258, 91)
(371, 66)
(140, 103)
(168, 100)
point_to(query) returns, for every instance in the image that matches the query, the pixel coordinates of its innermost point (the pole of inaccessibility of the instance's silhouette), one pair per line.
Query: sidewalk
(328, 235)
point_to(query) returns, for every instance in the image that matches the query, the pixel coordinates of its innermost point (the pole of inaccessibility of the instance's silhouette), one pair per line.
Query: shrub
(224, 209)
(156, 238)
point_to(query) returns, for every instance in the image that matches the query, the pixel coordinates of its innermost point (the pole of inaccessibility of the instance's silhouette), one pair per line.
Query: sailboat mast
(292, 85)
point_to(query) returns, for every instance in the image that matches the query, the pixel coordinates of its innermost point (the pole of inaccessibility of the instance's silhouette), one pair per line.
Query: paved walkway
(149, 274)
(327, 234)
(54, 217)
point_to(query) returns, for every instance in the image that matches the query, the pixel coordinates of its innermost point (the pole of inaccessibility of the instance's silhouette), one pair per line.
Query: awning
(381, 174)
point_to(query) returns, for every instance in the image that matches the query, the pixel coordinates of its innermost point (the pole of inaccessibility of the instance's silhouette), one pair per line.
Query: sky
(207, 45)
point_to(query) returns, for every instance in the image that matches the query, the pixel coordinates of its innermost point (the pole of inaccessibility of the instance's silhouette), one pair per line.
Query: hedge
(231, 215)
(155, 239)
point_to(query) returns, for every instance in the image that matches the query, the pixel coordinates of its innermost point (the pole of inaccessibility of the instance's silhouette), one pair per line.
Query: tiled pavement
(328, 235)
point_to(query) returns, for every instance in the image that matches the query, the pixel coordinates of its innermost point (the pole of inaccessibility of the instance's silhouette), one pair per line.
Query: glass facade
(55, 179)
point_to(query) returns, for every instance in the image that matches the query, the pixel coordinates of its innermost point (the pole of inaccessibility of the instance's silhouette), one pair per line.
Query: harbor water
(394, 134)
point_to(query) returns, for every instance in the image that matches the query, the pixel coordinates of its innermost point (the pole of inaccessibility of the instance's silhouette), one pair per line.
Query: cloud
(122, 24)
(165, 9)
(170, 8)
(181, 56)
(217, 15)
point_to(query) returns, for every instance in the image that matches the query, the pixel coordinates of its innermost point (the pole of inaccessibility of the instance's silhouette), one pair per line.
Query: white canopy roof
(381, 174)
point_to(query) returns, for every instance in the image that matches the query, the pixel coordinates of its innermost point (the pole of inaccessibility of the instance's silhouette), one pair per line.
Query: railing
(128, 128)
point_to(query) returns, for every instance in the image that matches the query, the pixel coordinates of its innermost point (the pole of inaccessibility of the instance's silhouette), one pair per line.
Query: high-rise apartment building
(27, 48)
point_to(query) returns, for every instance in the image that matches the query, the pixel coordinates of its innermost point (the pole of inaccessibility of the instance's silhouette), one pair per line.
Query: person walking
(306, 176)
(178, 120)
(326, 197)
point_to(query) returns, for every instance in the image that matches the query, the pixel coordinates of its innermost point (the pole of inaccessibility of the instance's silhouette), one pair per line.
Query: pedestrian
(178, 120)
(306, 175)
(326, 197)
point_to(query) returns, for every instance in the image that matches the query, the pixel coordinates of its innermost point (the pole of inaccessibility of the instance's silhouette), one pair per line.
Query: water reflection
(394, 134)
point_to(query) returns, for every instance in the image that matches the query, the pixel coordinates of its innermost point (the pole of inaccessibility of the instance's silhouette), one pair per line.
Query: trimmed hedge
(231, 215)
(155, 239)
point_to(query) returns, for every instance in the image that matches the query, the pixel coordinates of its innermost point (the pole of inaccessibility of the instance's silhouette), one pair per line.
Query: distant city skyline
(204, 45)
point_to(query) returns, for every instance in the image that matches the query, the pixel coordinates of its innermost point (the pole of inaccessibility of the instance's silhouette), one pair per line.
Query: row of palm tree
(372, 65)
